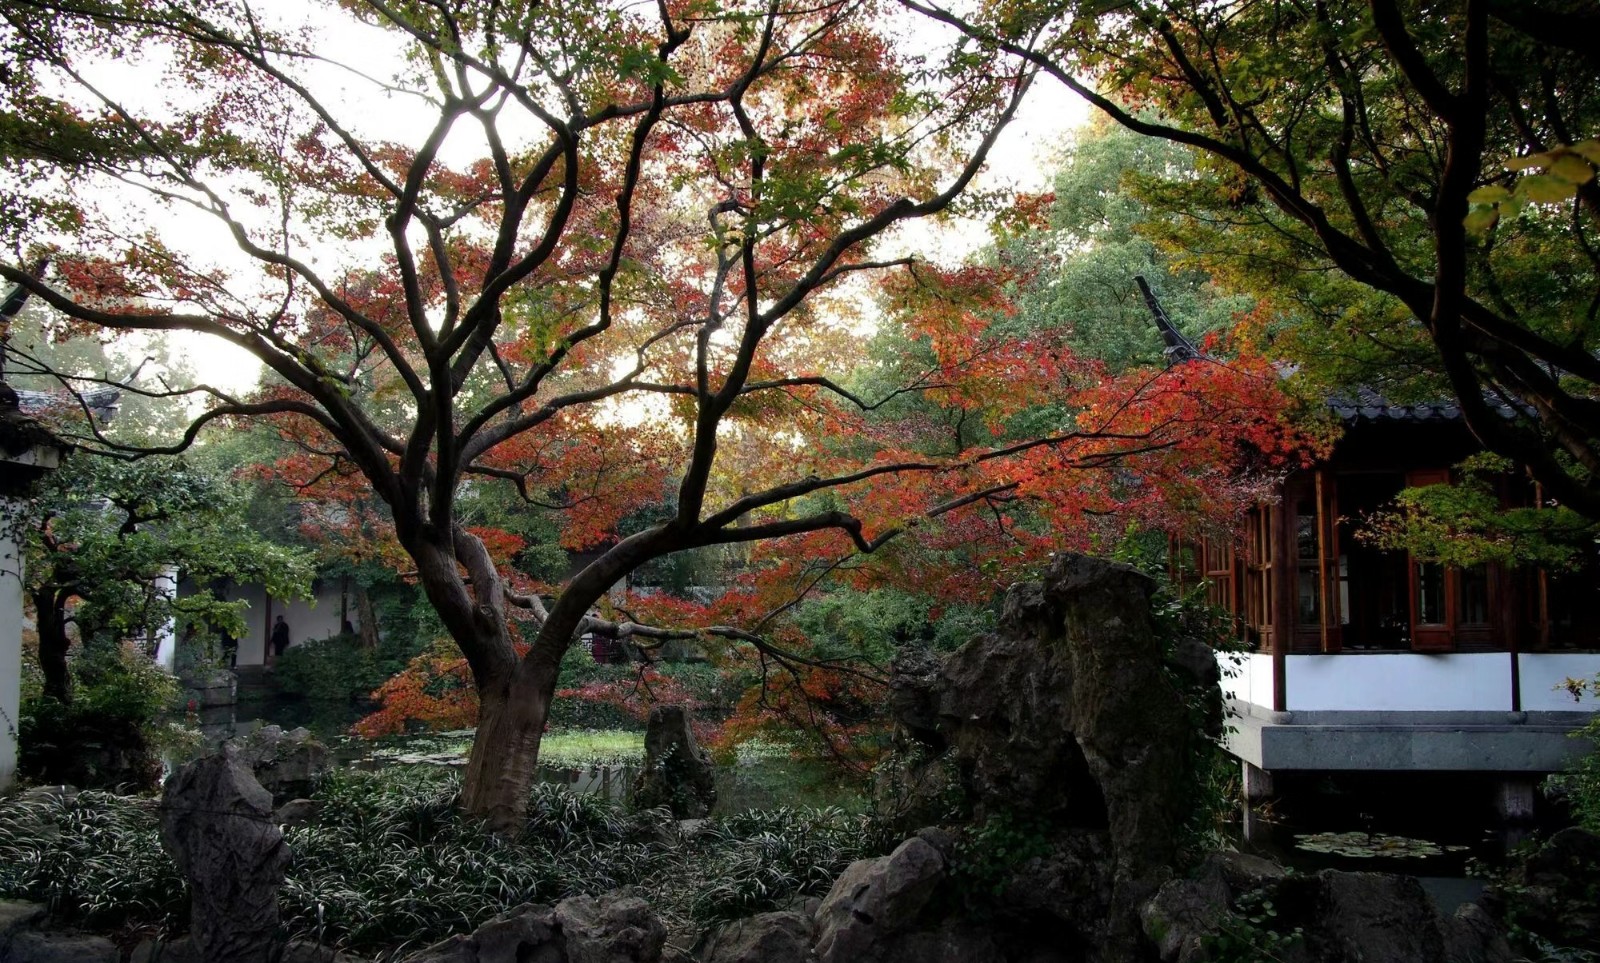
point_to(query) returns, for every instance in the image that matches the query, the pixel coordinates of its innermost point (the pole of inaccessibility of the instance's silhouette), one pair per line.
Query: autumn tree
(1382, 140)
(618, 257)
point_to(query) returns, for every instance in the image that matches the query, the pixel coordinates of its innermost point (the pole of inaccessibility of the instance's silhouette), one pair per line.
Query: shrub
(339, 669)
(389, 859)
(109, 734)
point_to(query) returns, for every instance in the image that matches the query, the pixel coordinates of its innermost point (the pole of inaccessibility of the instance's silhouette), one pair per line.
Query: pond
(761, 776)
(1433, 826)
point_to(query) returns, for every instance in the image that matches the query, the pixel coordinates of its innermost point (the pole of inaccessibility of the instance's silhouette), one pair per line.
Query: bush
(339, 669)
(1581, 782)
(109, 735)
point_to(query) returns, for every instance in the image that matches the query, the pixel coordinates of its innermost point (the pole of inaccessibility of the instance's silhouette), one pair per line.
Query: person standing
(280, 638)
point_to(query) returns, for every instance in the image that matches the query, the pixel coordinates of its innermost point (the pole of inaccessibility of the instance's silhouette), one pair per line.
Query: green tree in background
(105, 535)
(1080, 270)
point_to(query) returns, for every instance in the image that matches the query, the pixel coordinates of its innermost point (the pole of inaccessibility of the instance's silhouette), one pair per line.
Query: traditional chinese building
(1362, 658)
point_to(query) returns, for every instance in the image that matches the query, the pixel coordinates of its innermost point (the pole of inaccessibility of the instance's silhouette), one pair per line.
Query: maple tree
(1381, 139)
(623, 266)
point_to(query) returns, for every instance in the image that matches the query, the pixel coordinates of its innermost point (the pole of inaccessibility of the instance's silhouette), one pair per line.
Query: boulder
(33, 946)
(209, 688)
(16, 916)
(614, 928)
(1327, 917)
(677, 774)
(781, 937)
(1080, 715)
(288, 764)
(217, 825)
(875, 899)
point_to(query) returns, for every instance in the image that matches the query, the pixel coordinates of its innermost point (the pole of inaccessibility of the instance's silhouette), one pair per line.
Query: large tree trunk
(505, 751)
(50, 615)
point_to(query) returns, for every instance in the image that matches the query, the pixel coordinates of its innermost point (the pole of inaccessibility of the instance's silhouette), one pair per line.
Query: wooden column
(1281, 601)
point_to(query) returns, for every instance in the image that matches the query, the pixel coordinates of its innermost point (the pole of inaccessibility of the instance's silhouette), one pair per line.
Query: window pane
(1305, 531)
(1308, 597)
(1474, 595)
(1430, 593)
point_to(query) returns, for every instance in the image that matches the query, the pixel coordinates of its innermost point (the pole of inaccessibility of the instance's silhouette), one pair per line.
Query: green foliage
(390, 859)
(988, 854)
(1082, 267)
(110, 734)
(92, 857)
(1581, 782)
(340, 669)
(1467, 524)
(103, 532)
(876, 624)
(1251, 932)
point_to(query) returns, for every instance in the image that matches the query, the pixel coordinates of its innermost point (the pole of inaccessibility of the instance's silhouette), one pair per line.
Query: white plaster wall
(1247, 677)
(166, 644)
(1542, 672)
(1400, 681)
(306, 620)
(10, 648)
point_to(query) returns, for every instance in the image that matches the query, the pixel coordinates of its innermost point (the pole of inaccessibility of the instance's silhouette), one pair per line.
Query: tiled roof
(101, 401)
(1365, 404)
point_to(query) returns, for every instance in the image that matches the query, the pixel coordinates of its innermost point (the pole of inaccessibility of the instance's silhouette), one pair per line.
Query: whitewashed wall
(1399, 681)
(1542, 672)
(317, 619)
(1247, 677)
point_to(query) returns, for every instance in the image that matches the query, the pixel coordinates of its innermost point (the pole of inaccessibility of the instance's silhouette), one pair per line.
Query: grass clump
(389, 861)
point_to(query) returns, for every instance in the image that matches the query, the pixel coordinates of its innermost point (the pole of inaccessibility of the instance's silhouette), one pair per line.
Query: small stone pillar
(1257, 783)
(677, 773)
(217, 823)
(1513, 799)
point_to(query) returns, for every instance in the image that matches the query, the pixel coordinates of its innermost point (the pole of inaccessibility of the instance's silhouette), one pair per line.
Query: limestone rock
(1340, 918)
(296, 811)
(1080, 713)
(677, 773)
(614, 928)
(217, 825)
(33, 946)
(288, 764)
(16, 915)
(875, 899)
(781, 937)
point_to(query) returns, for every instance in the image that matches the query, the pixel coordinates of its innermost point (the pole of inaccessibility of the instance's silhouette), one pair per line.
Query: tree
(1365, 138)
(1077, 273)
(642, 286)
(105, 535)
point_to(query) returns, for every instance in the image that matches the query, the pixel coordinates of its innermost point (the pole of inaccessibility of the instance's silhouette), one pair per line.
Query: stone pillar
(18, 471)
(1257, 783)
(1513, 799)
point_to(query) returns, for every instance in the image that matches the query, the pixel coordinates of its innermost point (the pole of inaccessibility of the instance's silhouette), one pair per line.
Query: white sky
(1022, 158)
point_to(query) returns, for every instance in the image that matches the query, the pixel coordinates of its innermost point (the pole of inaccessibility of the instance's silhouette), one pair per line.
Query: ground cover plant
(390, 861)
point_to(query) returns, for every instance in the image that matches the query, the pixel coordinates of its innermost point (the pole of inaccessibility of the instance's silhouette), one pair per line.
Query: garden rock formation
(614, 928)
(677, 774)
(287, 764)
(1076, 729)
(1326, 917)
(216, 822)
